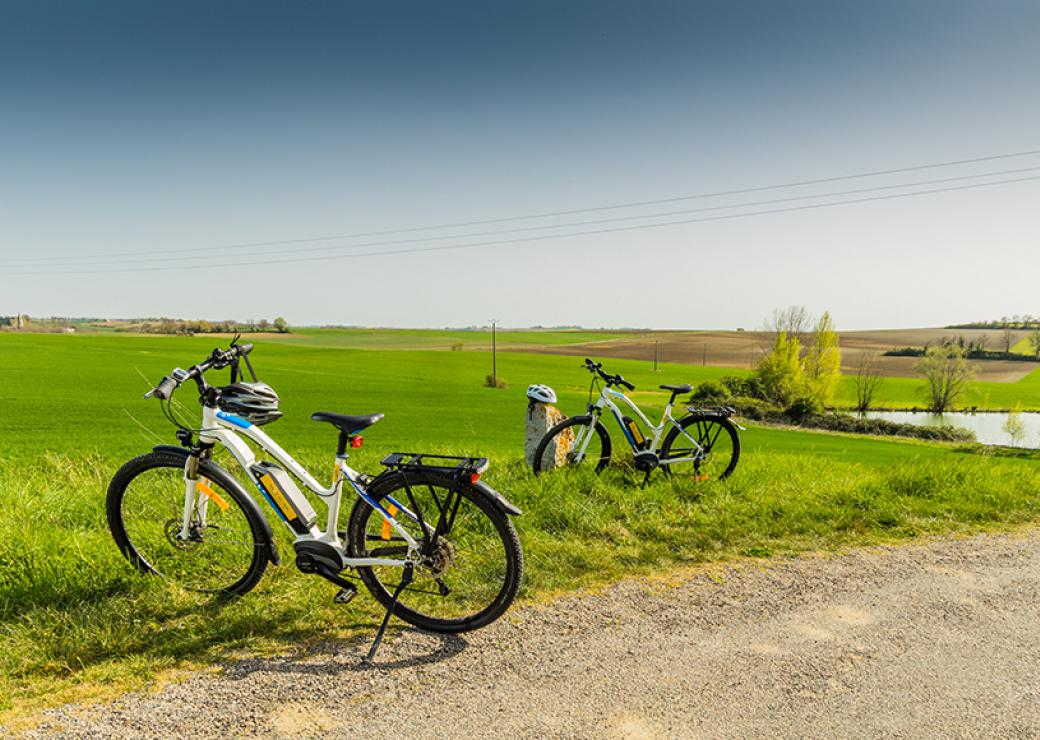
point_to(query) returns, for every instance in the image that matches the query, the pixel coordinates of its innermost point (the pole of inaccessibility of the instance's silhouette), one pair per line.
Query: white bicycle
(702, 445)
(431, 541)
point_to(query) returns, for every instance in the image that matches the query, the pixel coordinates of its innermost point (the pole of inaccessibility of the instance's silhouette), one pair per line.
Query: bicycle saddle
(345, 422)
(684, 388)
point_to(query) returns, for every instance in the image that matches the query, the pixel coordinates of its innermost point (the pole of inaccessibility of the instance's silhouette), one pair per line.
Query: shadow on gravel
(348, 656)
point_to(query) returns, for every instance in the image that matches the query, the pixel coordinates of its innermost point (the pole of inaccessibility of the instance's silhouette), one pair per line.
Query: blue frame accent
(401, 507)
(238, 421)
(628, 434)
(371, 502)
(272, 504)
(368, 500)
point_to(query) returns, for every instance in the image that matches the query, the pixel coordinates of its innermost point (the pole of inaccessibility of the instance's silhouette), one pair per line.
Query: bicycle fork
(192, 502)
(583, 438)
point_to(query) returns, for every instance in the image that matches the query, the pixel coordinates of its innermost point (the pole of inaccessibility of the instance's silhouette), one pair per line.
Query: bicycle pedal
(345, 595)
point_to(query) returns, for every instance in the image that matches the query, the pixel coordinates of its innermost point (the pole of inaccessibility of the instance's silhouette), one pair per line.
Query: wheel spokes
(219, 550)
(464, 562)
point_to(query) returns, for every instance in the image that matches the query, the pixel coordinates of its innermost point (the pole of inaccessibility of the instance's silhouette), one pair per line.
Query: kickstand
(406, 578)
(646, 480)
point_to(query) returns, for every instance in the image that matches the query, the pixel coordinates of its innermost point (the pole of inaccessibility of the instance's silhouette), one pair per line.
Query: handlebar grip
(165, 389)
(244, 349)
(627, 384)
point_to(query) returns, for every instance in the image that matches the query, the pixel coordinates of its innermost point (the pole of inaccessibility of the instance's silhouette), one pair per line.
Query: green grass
(901, 393)
(437, 338)
(74, 616)
(1024, 347)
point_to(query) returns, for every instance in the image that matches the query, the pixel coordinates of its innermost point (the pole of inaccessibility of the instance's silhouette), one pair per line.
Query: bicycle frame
(222, 428)
(605, 402)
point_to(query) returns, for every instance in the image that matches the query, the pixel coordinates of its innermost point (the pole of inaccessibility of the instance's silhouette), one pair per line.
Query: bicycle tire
(149, 558)
(540, 455)
(407, 608)
(703, 435)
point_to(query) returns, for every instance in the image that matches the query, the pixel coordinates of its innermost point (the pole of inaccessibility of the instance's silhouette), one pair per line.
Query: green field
(440, 339)
(903, 393)
(895, 392)
(74, 617)
(1024, 347)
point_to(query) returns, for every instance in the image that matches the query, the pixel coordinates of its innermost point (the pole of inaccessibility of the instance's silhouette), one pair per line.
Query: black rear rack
(724, 411)
(440, 463)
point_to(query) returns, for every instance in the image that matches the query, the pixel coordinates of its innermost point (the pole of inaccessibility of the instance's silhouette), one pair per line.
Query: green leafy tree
(946, 373)
(710, 392)
(781, 370)
(281, 325)
(1034, 340)
(823, 361)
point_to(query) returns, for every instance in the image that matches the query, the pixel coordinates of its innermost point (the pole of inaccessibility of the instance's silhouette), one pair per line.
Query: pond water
(988, 428)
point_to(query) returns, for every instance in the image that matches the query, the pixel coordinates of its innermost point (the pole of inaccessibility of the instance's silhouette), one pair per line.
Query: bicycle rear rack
(450, 464)
(723, 411)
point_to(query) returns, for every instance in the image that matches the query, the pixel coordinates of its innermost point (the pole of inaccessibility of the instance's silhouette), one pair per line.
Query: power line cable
(573, 211)
(542, 237)
(177, 257)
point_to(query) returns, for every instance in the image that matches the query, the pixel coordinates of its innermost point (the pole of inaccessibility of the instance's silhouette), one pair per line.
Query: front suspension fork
(194, 503)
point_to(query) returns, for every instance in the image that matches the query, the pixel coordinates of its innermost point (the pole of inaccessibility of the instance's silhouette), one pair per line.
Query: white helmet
(541, 393)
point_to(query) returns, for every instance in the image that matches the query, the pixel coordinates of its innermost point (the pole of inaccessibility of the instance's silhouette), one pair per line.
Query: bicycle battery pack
(633, 429)
(285, 496)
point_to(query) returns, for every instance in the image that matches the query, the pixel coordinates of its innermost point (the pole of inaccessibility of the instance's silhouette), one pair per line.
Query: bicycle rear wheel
(713, 457)
(472, 561)
(225, 549)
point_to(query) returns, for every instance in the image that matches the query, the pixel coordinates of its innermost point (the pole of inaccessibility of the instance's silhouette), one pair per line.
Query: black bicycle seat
(345, 422)
(684, 388)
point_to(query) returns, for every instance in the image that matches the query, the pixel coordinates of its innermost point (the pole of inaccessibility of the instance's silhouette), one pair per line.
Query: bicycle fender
(204, 465)
(497, 499)
(500, 501)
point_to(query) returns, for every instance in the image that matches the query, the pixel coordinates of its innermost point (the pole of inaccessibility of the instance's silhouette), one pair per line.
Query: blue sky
(157, 131)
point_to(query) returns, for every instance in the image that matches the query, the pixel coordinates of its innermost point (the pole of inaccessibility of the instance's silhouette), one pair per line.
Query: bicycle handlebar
(164, 390)
(597, 368)
(218, 358)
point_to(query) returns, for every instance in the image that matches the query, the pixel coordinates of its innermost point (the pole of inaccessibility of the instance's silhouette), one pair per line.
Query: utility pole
(704, 355)
(655, 355)
(494, 355)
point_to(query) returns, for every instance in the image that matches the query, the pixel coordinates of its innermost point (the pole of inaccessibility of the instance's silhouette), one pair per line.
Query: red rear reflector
(474, 477)
(356, 442)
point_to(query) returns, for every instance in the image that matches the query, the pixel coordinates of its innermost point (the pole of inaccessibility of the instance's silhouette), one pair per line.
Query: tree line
(976, 349)
(1017, 321)
(201, 326)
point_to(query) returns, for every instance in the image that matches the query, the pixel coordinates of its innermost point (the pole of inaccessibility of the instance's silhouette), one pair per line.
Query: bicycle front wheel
(706, 448)
(579, 440)
(472, 563)
(224, 549)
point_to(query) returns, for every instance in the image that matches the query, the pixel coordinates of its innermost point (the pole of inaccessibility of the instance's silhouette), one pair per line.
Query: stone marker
(541, 417)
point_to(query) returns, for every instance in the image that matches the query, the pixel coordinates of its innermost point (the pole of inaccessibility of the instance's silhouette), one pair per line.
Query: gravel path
(935, 640)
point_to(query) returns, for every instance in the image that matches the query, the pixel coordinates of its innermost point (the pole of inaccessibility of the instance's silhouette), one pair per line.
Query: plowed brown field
(741, 349)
